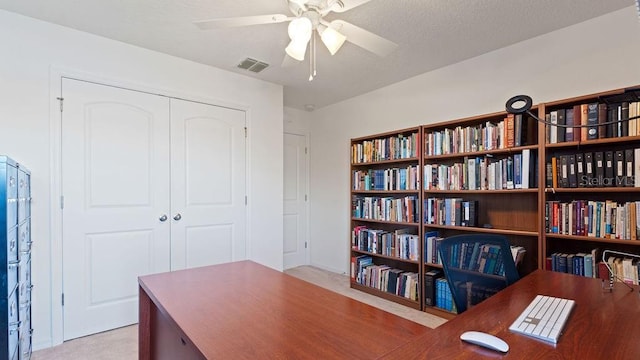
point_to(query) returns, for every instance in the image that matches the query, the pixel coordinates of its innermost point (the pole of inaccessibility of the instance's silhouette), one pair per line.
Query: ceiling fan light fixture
(296, 49)
(332, 39)
(300, 29)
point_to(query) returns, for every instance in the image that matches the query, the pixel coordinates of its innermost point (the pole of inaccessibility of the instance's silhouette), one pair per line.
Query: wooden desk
(247, 311)
(244, 310)
(603, 325)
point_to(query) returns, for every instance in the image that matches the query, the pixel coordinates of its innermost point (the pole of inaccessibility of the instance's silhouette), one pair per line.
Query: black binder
(573, 176)
(598, 163)
(629, 167)
(580, 170)
(619, 168)
(564, 171)
(609, 173)
(589, 169)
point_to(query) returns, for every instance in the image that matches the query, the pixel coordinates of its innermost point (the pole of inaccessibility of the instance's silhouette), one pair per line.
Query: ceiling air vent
(252, 65)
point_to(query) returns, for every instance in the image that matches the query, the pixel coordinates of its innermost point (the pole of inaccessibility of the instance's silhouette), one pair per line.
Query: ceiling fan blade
(348, 5)
(364, 38)
(241, 21)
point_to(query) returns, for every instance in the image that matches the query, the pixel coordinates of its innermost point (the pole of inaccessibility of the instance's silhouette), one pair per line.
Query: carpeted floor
(122, 344)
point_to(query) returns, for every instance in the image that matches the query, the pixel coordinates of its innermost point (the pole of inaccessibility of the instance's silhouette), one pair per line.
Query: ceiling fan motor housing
(321, 7)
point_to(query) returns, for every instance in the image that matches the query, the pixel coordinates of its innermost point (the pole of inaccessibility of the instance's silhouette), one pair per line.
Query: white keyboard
(544, 318)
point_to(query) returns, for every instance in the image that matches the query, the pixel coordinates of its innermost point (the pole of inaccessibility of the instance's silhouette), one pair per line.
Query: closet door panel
(115, 186)
(208, 210)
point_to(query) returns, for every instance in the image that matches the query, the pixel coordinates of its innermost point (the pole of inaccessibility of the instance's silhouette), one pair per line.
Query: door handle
(177, 217)
(163, 218)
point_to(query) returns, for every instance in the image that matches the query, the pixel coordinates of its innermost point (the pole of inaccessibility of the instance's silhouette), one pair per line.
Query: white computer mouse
(486, 340)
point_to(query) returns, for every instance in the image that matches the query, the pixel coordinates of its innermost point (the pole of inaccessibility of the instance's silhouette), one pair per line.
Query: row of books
(403, 209)
(450, 211)
(443, 296)
(390, 148)
(384, 278)
(432, 256)
(509, 132)
(597, 121)
(431, 241)
(386, 179)
(482, 258)
(619, 168)
(583, 264)
(517, 171)
(622, 269)
(602, 219)
(625, 269)
(400, 243)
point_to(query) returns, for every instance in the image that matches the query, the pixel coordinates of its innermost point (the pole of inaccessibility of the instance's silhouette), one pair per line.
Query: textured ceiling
(430, 34)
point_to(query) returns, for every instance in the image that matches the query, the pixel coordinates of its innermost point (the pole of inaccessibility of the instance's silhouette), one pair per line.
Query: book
(584, 132)
(577, 120)
(570, 124)
(517, 171)
(561, 121)
(525, 168)
(553, 132)
(602, 118)
(636, 167)
(624, 118)
(592, 121)
(430, 278)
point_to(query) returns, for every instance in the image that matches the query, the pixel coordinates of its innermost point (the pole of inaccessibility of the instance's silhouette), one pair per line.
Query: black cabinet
(15, 260)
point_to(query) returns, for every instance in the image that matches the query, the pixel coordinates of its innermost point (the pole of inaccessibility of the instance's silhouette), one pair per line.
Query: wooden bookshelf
(385, 247)
(566, 206)
(518, 212)
(500, 209)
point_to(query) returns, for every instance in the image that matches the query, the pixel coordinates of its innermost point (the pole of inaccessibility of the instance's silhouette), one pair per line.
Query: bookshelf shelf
(483, 230)
(591, 190)
(395, 162)
(509, 150)
(384, 192)
(503, 191)
(433, 265)
(628, 242)
(388, 296)
(440, 312)
(364, 252)
(386, 222)
(574, 144)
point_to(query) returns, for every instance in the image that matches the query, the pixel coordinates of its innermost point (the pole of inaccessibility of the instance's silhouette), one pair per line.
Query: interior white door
(295, 206)
(115, 181)
(208, 185)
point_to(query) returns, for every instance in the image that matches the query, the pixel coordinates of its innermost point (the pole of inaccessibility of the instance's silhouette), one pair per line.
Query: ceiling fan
(308, 16)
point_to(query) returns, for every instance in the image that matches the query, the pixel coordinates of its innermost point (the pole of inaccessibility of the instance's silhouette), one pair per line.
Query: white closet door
(115, 176)
(295, 206)
(208, 211)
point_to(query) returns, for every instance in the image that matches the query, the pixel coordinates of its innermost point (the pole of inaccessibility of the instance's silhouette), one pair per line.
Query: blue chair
(476, 267)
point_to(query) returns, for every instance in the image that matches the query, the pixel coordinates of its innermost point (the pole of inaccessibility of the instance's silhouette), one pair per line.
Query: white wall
(297, 121)
(597, 55)
(33, 50)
